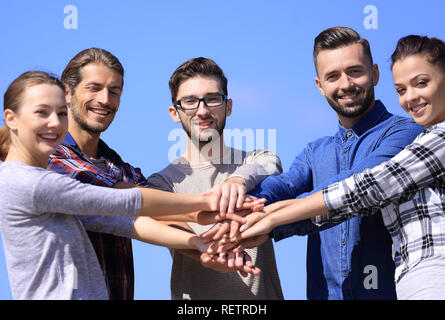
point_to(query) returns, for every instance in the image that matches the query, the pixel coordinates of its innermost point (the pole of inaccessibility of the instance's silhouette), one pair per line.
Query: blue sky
(265, 50)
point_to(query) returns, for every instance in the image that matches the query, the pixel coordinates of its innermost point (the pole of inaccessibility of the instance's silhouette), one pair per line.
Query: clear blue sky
(265, 50)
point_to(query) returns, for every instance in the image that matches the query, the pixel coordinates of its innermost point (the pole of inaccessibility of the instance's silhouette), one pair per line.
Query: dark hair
(13, 99)
(72, 76)
(433, 48)
(338, 37)
(193, 68)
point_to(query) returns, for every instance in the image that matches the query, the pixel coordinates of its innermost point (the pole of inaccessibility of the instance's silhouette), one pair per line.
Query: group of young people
(370, 195)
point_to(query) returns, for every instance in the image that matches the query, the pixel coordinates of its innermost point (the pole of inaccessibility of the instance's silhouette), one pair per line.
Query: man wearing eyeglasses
(199, 95)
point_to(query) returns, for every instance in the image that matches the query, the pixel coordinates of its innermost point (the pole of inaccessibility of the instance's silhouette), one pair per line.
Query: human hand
(231, 227)
(231, 193)
(230, 262)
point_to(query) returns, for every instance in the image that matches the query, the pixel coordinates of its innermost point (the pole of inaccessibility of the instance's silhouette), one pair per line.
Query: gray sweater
(48, 253)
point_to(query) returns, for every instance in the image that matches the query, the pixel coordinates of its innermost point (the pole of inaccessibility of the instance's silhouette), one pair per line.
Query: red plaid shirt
(114, 252)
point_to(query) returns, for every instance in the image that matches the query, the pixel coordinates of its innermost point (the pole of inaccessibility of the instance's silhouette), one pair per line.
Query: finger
(226, 247)
(251, 220)
(205, 259)
(236, 217)
(230, 259)
(234, 230)
(225, 198)
(241, 197)
(213, 247)
(239, 259)
(233, 198)
(239, 248)
(248, 260)
(251, 204)
(212, 231)
(223, 229)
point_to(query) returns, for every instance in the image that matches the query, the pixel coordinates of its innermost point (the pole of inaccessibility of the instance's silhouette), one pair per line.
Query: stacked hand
(228, 238)
(224, 251)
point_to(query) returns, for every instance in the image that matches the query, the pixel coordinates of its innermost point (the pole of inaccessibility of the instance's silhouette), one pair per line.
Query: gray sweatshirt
(48, 253)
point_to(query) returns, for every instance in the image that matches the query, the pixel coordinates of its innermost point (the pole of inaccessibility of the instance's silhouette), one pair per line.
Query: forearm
(161, 203)
(300, 209)
(148, 230)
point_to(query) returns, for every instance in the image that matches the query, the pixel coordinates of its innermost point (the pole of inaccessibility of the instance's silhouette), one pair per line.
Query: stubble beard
(355, 109)
(80, 120)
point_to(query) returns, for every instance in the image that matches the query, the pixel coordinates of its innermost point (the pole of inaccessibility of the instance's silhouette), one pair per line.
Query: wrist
(237, 180)
(197, 244)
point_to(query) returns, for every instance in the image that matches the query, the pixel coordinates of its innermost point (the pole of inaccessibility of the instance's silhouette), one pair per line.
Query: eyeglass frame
(177, 104)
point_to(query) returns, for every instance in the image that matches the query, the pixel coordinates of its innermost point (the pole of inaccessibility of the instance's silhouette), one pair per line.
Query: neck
(87, 142)
(348, 123)
(17, 154)
(199, 153)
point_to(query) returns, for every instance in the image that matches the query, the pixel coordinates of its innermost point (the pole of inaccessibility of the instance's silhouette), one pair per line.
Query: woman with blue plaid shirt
(409, 189)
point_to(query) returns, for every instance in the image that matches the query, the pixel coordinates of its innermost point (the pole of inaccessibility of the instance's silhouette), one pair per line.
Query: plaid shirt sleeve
(416, 167)
(67, 162)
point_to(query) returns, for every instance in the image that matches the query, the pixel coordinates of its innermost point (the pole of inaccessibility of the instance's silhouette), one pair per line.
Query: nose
(202, 109)
(411, 95)
(345, 82)
(56, 121)
(103, 97)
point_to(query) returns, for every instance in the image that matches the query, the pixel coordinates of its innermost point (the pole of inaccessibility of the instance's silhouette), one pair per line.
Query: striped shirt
(110, 236)
(409, 190)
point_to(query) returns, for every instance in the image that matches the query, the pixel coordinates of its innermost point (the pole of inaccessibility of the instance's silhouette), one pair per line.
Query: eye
(41, 112)
(400, 91)
(422, 83)
(93, 89)
(330, 77)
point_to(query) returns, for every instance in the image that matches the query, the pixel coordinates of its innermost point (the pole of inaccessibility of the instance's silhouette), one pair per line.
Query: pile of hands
(242, 222)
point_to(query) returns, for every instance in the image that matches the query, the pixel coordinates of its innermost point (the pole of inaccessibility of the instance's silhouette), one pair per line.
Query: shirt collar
(103, 149)
(374, 116)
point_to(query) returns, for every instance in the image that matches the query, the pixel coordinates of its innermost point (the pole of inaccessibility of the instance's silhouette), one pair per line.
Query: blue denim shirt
(338, 255)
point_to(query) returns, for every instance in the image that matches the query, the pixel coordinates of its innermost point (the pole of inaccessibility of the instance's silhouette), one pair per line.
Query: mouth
(204, 124)
(349, 97)
(101, 113)
(418, 108)
(49, 137)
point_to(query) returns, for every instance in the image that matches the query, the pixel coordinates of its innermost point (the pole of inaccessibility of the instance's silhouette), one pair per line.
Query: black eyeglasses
(192, 103)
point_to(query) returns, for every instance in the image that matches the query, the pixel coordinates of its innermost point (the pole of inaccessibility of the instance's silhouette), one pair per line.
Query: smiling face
(204, 121)
(96, 99)
(421, 89)
(347, 79)
(39, 125)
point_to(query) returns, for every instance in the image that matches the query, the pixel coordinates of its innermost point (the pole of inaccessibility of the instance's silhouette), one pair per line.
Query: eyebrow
(413, 78)
(355, 66)
(207, 94)
(92, 83)
(48, 106)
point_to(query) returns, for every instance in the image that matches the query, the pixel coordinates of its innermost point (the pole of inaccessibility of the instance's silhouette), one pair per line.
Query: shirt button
(345, 274)
(345, 150)
(343, 242)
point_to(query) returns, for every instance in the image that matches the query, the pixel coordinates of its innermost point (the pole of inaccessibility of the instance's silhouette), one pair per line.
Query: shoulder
(164, 179)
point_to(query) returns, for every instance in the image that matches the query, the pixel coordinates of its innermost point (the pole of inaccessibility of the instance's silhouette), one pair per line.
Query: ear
(319, 86)
(229, 107)
(375, 74)
(68, 93)
(10, 119)
(174, 114)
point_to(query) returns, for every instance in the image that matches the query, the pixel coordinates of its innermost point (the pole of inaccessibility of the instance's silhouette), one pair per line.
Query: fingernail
(243, 227)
